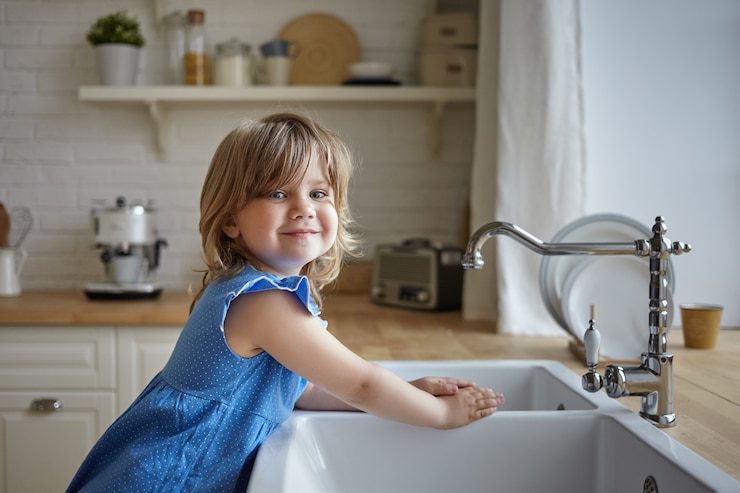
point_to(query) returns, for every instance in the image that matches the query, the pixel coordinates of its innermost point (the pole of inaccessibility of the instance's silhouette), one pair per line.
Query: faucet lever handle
(592, 381)
(592, 344)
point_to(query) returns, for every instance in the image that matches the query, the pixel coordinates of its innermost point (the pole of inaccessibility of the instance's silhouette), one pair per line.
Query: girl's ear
(230, 228)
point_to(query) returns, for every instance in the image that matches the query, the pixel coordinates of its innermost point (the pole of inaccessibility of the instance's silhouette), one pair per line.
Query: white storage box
(452, 29)
(448, 67)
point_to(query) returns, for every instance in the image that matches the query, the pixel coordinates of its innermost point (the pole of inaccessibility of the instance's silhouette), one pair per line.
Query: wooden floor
(706, 382)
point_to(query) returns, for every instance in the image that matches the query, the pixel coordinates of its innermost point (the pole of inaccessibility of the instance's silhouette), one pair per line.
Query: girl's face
(290, 227)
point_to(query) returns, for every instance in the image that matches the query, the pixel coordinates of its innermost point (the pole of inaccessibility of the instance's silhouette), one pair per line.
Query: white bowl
(371, 70)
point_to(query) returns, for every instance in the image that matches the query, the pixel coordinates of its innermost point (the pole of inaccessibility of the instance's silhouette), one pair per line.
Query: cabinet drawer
(41, 450)
(57, 357)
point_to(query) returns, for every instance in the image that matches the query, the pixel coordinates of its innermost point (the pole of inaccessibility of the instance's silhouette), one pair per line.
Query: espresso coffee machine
(127, 237)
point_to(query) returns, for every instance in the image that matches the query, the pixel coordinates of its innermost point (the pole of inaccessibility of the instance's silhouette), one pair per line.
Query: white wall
(662, 109)
(58, 155)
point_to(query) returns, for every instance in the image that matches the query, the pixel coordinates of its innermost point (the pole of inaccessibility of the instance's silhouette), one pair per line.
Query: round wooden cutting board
(327, 46)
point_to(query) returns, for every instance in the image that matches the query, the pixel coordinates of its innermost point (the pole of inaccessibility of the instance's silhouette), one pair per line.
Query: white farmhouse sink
(597, 446)
(509, 452)
(527, 385)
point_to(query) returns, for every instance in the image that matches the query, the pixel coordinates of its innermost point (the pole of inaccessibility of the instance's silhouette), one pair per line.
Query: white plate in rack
(554, 269)
(618, 287)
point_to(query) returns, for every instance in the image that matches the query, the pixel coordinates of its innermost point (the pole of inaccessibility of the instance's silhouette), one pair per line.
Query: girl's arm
(276, 322)
(316, 399)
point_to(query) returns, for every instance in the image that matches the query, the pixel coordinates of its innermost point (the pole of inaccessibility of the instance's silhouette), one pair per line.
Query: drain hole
(561, 407)
(650, 485)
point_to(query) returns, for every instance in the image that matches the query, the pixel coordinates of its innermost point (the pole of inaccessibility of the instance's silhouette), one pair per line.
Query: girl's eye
(277, 195)
(318, 194)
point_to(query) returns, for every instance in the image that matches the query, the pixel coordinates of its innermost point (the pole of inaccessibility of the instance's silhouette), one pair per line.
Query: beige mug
(275, 70)
(701, 323)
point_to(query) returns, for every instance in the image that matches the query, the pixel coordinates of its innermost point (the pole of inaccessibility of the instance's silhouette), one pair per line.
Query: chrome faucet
(652, 380)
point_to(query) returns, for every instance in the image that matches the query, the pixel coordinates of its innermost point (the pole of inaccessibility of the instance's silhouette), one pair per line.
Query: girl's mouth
(301, 233)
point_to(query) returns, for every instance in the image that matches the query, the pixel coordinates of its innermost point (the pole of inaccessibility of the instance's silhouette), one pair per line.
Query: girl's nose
(302, 208)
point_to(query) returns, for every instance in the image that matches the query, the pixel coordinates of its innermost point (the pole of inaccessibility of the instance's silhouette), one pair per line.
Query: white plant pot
(118, 63)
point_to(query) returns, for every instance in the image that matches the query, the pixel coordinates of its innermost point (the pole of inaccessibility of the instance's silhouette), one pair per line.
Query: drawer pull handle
(47, 405)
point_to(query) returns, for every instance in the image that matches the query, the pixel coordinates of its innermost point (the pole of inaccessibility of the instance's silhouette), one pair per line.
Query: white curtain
(529, 158)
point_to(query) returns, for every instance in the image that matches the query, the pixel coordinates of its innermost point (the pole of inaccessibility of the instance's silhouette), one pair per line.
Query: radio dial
(379, 292)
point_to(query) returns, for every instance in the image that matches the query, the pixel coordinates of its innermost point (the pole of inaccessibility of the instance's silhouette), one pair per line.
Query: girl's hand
(470, 404)
(440, 385)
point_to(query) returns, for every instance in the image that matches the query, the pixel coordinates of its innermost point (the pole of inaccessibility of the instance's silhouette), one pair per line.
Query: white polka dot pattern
(199, 422)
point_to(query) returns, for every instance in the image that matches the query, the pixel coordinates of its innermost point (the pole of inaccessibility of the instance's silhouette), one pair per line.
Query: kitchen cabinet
(60, 389)
(142, 353)
(159, 99)
(57, 396)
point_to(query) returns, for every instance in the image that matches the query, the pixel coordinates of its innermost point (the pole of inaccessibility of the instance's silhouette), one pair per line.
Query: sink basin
(593, 445)
(528, 385)
(509, 452)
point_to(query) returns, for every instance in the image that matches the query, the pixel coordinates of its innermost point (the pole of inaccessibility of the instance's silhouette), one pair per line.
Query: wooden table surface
(707, 382)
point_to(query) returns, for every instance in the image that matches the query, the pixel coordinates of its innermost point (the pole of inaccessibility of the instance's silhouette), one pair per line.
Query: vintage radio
(418, 274)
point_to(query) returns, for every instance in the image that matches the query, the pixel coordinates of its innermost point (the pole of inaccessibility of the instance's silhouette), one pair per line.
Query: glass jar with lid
(233, 64)
(197, 70)
(174, 30)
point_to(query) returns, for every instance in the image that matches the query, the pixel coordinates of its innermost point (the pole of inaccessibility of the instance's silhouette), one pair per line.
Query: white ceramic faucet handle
(592, 341)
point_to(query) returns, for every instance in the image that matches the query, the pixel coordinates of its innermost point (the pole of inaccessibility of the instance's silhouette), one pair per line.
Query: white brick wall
(59, 156)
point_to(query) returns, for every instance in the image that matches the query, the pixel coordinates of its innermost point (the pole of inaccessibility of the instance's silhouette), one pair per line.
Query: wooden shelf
(160, 98)
(184, 94)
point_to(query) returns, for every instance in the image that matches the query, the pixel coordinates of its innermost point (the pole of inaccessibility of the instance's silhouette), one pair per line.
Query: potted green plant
(117, 40)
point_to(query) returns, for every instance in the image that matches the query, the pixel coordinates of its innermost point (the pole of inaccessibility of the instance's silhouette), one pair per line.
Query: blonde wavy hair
(252, 161)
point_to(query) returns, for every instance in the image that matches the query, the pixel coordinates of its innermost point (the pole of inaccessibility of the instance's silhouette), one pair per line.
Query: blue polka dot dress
(199, 422)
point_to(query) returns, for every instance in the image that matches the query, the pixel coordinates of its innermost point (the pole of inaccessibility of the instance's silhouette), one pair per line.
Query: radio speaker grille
(405, 268)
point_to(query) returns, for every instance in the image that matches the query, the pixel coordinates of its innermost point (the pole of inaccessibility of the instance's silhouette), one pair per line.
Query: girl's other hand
(470, 404)
(440, 385)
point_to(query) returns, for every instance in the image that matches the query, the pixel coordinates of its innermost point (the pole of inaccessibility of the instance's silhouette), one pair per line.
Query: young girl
(275, 229)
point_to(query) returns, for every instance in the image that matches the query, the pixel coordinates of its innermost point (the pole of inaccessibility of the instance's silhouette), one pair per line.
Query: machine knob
(379, 292)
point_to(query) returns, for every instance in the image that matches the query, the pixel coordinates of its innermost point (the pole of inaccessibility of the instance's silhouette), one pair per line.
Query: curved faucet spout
(473, 259)
(653, 379)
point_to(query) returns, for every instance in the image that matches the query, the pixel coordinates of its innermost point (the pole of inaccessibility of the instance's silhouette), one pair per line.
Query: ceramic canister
(11, 264)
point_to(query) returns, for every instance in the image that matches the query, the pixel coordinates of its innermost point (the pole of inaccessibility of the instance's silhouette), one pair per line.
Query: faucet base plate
(660, 420)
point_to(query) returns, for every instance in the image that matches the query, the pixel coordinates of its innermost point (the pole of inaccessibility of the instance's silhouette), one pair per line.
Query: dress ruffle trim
(297, 285)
